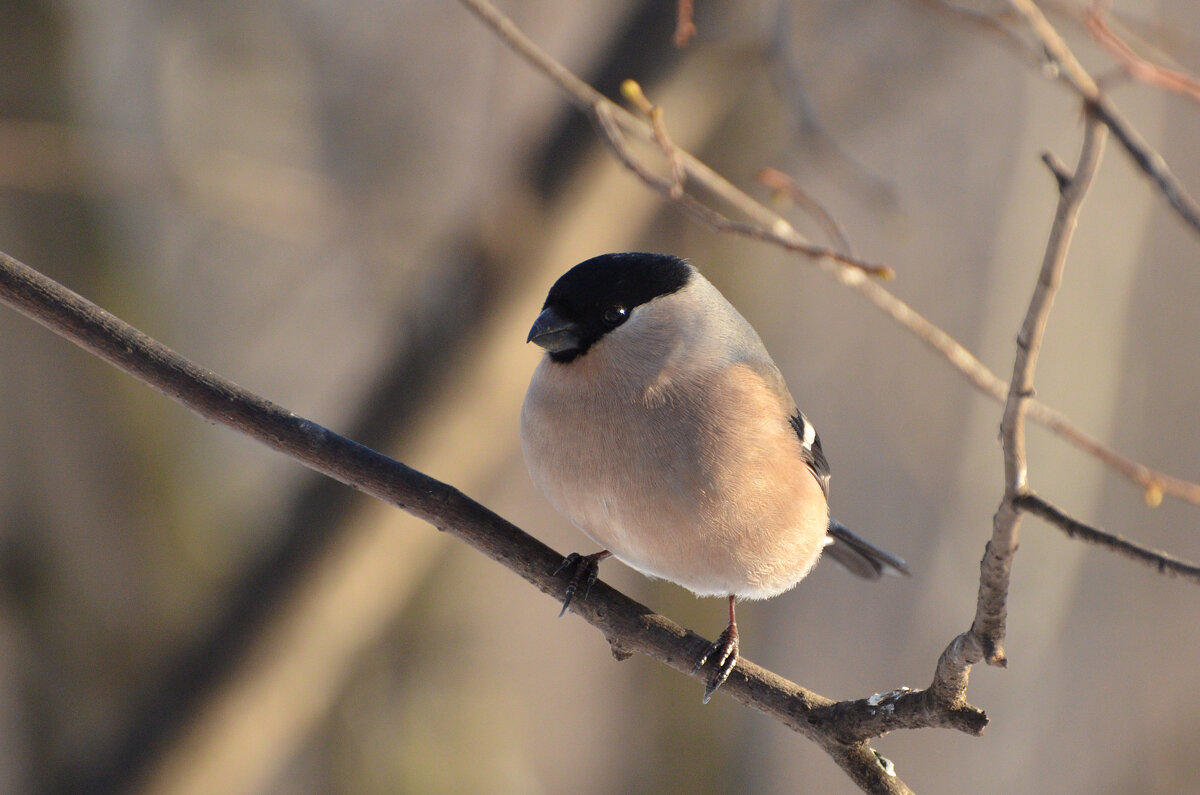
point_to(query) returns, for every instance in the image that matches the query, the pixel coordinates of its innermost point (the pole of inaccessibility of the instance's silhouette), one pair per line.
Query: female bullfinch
(657, 424)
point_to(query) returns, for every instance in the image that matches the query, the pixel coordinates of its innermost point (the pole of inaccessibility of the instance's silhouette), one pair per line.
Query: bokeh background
(355, 208)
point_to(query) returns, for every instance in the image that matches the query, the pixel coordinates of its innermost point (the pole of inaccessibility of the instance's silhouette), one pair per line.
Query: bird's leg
(584, 570)
(724, 653)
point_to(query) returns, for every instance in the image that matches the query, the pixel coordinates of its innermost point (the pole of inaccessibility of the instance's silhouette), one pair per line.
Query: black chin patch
(588, 291)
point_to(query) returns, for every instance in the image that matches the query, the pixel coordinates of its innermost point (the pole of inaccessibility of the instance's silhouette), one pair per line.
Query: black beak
(553, 332)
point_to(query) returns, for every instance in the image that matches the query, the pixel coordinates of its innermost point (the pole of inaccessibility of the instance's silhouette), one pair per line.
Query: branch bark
(984, 641)
(844, 728)
(1096, 21)
(629, 627)
(1164, 563)
(1074, 75)
(1051, 50)
(615, 123)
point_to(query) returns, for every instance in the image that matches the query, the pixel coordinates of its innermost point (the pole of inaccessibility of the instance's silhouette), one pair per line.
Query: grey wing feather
(861, 557)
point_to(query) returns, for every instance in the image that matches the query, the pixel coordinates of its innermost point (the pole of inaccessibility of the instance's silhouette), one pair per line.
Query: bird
(657, 423)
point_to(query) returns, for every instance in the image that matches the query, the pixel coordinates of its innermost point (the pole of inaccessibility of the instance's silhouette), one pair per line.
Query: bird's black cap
(598, 294)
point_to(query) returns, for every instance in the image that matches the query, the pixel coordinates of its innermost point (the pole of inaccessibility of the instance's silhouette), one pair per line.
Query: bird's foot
(584, 571)
(724, 654)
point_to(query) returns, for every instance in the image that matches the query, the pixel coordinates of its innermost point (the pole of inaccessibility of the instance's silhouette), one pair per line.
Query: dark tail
(861, 557)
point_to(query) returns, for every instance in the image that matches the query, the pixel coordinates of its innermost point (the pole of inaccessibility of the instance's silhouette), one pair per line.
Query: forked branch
(984, 641)
(628, 627)
(616, 125)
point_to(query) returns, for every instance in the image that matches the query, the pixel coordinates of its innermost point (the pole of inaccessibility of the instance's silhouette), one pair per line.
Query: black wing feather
(856, 554)
(810, 448)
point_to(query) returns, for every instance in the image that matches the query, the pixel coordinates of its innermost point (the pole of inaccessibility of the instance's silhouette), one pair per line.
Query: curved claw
(585, 570)
(724, 654)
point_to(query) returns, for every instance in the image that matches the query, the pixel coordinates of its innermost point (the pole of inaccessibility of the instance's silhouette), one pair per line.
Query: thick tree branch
(629, 627)
(615, 123)
(984, 640)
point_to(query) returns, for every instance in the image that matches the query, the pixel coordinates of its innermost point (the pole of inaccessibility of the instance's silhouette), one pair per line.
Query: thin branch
(632, 91)
(1161, 561)
(786, 64)
(614, 123)
(1154, 484)
(1150, 162)
(1055, 47)
(783, 185)
(628, 627)
(1095, 21)
(612, 135)
(685, 28)
(1066, 68)
(984, 641)
(588, 99)
(1072, 190)
(1074, 75)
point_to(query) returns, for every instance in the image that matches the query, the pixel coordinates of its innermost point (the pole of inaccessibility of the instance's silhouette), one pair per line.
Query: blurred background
(355, 209)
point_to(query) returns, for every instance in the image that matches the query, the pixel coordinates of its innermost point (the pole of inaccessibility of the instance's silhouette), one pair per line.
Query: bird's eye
(614, 315)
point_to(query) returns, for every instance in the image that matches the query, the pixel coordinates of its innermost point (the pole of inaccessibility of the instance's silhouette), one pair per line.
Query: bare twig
(1161, 561)
(629, 627)
(781, 235)
(1066, 68)
(1150, 162)
(1154, 484)
(787, 68)
(784, 185)
(984, 641)
(632, 91)
(1137, 67)
(685, 28)
(614, 123)
(1056, 49)
(1074, 75)
(1072, 189)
